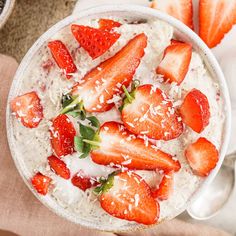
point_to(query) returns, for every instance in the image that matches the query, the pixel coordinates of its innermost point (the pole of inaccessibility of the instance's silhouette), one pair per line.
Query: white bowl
(6, 12)
(133, 12)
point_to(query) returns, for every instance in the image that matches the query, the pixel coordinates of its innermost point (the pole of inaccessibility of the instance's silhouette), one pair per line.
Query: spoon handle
(230, 160)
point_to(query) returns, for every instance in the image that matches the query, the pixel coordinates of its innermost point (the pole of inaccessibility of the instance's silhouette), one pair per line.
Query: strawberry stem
(71, 106)
(128, 96)
(94, 143)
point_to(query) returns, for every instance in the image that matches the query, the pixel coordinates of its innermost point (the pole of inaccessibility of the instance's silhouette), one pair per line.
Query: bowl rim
(209, 57)
(6, 12)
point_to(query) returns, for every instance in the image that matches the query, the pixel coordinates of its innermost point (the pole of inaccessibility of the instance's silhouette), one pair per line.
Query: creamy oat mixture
(45, 77)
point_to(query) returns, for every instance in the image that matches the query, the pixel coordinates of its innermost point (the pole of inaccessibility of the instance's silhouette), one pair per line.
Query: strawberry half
(95, 41)
(83, 182)
(59, 167)
(202, 156)
(216, 18)
(175, 63)
(195, 110)
(108, 25)
(62, 57)
(114, 145)
(62, 136)
(106, 80)
(180, 9)
(127, 196)
(41, 183)
(28, 109)
(165, 187)
(147, 110)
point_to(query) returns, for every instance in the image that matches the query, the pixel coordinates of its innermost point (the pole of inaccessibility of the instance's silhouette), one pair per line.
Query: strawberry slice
(62, 136)
(175, 63)
(28, 109)
(95, 41)
(147, 110)
(82, 181)
(108, 25)
(100, 85)
(202, 156)
(117, 146)
(165, 188)
(127, 196)
(62, 57)
(41, 183)
(216, 18)
(59, 167)
(195, 110)
(180, 9)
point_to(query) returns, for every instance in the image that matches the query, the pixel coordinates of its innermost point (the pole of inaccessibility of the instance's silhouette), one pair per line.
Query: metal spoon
(217, 193)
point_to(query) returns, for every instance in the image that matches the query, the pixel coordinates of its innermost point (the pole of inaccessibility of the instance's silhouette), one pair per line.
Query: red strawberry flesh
(175, 63)
(62, 57)
(28, 109)
(62, 136)
(119, 147)
(151, 113)
(105, 81)
(130, 199)
(202, 156)
(107, 24)
(195, 110)
(41, 183)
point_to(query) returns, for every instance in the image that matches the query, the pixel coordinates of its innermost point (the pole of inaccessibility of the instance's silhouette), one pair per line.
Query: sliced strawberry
(28, 109)
(59, 167)
(83, 181)
(62, 136)
(180, 9)
(165, 188)
(118, 147)
(202, 156)
(108, 25)
(62, 57)
(103, 82)
(127, 196)
(147, 110)
(95, 41)
(41, 183)
(175, 63)
(195, 110)
(216, 18)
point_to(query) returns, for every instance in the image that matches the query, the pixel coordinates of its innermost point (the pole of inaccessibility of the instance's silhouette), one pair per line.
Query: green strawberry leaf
(78, 144)
(86, 150)
(94, 121)
(86, 132)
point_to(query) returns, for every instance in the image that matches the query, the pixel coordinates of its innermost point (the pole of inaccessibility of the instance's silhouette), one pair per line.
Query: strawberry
(175, 63)
(127, 196)
(95, 41)
(62, 57)
(216, 18)
(202, 156)
(165, 187)
(28, 109)
(147, 110)
(180, 9)
(103, 82)
(195, 110)
(41, 183)
(62, 136)
(83, 181)
(115, 145)
(107, 24)
(59, 167)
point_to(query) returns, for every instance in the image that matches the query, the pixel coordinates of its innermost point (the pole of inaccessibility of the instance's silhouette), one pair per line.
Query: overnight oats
(118, 122)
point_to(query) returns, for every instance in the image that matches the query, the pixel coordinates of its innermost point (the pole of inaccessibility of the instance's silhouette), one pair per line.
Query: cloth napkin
(22, 214)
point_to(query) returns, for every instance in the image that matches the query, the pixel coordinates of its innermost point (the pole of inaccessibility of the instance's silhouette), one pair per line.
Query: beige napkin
(23, 214)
